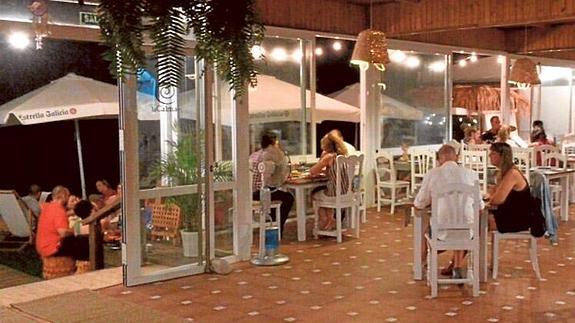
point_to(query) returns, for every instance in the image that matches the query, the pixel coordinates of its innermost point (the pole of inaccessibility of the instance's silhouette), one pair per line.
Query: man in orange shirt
(55, 237)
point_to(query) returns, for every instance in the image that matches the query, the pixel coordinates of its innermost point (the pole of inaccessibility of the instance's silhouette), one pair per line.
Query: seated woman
(504, 134)
(331, 146)
(511, 195)
(106, 191)
(472, 136)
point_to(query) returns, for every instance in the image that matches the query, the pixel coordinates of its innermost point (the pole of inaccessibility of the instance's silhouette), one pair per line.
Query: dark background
(46, 154)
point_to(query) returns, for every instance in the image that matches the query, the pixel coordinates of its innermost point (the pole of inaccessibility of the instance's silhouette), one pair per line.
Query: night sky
(45, 154)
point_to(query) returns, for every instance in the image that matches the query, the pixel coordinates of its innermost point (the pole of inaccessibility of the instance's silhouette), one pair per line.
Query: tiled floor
(370, 280)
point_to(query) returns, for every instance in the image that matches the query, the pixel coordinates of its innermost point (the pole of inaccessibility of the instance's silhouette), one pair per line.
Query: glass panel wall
(411, 104)
(277, 102)
(555, 100)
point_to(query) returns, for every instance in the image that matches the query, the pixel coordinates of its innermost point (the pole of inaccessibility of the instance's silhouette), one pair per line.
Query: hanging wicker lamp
(370, 48)
(524, 73)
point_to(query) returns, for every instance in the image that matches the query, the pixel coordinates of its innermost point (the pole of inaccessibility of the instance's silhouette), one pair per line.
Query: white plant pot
(190, 243)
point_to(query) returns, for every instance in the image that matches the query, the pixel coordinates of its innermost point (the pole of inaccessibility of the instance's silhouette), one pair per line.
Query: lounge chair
(18, 219)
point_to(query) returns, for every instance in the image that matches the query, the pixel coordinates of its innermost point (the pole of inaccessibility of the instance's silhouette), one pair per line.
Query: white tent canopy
(389, 107)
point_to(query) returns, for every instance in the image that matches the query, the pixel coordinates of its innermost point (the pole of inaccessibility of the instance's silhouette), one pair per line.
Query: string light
(397, 56)
(257, 52)
(279, 54)
(462, 63)
(438, 66)
(412, 62)
(319, 51)
(337, 45)
(297, 55)
(473, 57)
(19, 40)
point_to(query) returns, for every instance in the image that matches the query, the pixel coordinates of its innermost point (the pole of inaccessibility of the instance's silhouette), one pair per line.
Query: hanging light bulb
(462, 63)
(319, 51)
(336, 45)
(397, 56)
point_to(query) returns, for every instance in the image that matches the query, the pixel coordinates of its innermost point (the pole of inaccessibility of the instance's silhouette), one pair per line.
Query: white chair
(257, 206)
(386, 179)
(523, 235)
(568, 149)
(555, 160)
(476, 160)
(422, 161)
(541, 151)
(345, 197)
(18, 218)
(474, 147)
(452, 230)
(522, 158)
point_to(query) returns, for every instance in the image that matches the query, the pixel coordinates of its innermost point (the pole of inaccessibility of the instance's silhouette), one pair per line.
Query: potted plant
(181, 166)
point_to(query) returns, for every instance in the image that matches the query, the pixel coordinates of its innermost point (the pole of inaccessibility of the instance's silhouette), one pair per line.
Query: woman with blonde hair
(511, 194)
(332, 146)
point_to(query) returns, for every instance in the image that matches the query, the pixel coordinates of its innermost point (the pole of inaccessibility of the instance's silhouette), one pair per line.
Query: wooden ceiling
(534, 27)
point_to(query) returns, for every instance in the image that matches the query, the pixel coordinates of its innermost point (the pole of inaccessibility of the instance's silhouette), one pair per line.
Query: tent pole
(80, 159)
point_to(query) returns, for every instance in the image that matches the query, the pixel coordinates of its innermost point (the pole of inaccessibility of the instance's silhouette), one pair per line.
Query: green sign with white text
(88, 18)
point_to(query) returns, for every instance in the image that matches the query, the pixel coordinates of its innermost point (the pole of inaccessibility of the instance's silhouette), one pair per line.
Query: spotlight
(19, 40)
(473, 58)
(318, 51)
(397, 56)
(462, 63)
(279, 54)
(337, 45)
(257, 52)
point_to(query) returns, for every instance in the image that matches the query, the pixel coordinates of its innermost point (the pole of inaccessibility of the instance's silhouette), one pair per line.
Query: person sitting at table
(349, 147)
(471, 136)
(106, 191)
(55, 237)
(511, 194)
(448, 172)
(490, 135)
(504, 135)
(32, 200)
(332, 146)
(536, 129)
(271, 152)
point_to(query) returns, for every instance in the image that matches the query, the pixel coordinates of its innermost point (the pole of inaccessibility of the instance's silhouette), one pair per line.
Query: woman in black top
(511, 194)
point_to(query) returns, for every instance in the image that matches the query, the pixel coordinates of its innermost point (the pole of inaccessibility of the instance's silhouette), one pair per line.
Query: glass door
(168, 177)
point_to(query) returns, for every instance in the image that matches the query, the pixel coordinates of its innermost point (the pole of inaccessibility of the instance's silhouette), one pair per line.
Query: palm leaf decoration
(225, 32)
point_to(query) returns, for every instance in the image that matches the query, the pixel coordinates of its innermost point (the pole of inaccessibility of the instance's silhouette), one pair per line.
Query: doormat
(91, 306)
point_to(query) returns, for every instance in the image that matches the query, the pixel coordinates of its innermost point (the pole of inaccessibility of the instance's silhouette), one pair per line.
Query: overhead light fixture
(438, 66)
(257, 52)
(524, 73)
(397, 56)
(412, 62)
(319, 51)
(297, 55)
(336, 45)
(279, 54)
(462, 63)
(370, 47)
(19, 40)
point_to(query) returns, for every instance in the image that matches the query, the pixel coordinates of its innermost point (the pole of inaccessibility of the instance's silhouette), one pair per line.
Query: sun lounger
(17, 218)
(43, 197)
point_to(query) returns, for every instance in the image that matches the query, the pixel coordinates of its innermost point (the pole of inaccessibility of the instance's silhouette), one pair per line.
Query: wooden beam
(536, 40)
(317, 15)
(442, 15)
(489, 38)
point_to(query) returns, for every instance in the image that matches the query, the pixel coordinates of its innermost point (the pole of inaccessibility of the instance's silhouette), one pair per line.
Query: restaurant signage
(88, 18)
(44, 116)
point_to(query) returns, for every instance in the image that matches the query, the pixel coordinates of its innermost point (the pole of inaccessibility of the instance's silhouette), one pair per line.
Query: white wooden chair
(522, 158)
(474, 147)
(422, 161)
(540, 152)
(345, 197)
(257, 205)
(452, 230)
(386, 179)
(555, 160)
(476, 160)
(568, 149)
(523, 235)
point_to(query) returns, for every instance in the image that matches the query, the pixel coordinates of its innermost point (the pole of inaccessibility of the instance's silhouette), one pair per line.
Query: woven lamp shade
(370, 48)
(524, 72)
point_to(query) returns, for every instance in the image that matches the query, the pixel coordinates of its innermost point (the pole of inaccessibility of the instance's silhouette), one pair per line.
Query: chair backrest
(346, 168)
(541, 151)
(13, 212)
(476, 160)
(522, 158)
(568, 149)
(166, 217)
(43, 197)
(555, 159)
(384, 168)
(452, 201)
(478, 147)
(422, 161)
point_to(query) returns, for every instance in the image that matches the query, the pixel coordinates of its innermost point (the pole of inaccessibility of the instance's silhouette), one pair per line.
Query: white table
(563, 176)
(421, 217)
(299, 188)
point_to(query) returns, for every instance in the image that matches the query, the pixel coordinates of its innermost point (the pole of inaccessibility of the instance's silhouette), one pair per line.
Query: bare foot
(329, 224)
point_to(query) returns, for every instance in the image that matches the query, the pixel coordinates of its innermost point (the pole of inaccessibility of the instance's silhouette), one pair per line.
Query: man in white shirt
(448, 172)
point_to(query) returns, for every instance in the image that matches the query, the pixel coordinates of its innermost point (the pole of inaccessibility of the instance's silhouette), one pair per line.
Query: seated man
(32, 199)
(55, 237)
(448, 172)
(270, 152)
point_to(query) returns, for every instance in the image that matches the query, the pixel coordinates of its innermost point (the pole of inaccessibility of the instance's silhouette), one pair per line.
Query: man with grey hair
(55, 237)
(448, 172)
(32, 200)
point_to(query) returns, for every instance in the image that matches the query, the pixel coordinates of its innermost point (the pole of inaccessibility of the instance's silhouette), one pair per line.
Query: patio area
(366, 280)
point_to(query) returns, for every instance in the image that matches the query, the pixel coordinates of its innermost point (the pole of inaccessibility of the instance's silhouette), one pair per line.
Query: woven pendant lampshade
(524, 73)
(370, 48)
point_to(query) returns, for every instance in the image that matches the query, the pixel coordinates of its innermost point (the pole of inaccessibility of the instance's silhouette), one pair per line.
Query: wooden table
(563, 176)
(421, 217)
(299, 185)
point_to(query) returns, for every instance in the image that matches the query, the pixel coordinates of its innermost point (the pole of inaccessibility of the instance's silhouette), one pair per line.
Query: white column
(505, 106)
(368, 128)
(167, 108)
(242, 198)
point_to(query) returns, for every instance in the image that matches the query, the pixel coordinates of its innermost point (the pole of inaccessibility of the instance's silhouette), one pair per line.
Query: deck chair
(43, 197)
(18, 219)
(166, 223)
